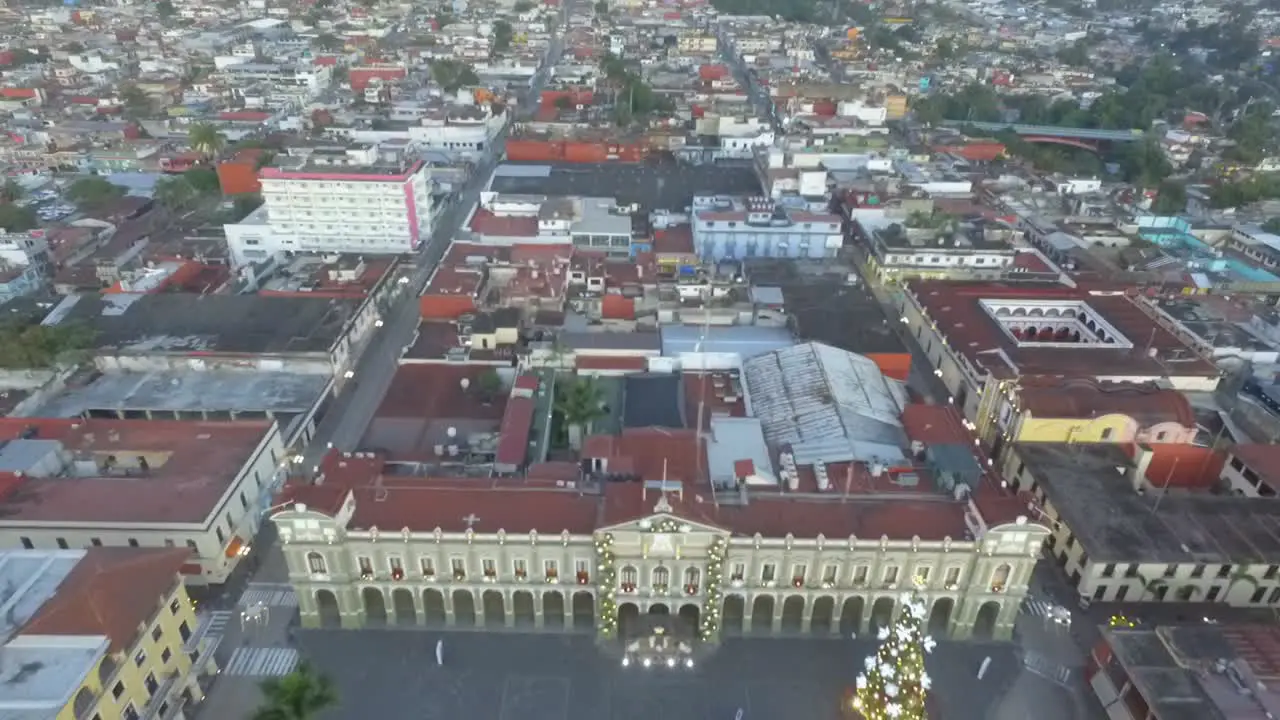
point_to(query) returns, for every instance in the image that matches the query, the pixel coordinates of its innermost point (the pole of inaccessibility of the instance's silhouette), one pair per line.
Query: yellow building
(99, 634)
(1083, 410)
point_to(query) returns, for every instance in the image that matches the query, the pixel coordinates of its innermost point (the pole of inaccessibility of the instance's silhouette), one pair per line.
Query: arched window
(316, 564)
(83, 702)
(1000, 578)
(630, 576)
(661, 577)
(692, 576)
(106, 669)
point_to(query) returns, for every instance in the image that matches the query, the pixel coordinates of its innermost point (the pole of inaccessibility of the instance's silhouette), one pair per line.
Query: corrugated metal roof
(522, 171)
(827, 404)
(747, 341)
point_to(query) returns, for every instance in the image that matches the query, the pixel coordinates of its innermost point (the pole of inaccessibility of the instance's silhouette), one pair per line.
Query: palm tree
(1149, 587)
(205, 138)
(1239, 576)
(581, 404)
(300, 695)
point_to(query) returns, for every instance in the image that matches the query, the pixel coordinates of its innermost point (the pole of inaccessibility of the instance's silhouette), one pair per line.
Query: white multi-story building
(729, 229)
(330, 201)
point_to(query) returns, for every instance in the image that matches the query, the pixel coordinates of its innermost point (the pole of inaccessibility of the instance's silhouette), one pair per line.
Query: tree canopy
(27, 344)
(16, 218)
(301, 695)
(93, 192)
(453, 75)
(502, 35)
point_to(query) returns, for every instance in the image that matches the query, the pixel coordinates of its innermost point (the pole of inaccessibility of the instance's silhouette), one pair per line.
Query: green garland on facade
(710, 630)
(607, 586)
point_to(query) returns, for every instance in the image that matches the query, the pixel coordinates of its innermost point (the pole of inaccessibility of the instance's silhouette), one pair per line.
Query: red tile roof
(111, 592)
(935, 425)
(954, 306)
(192, 464)
(712, 391)
(1262, 459)
(517, 422)
(1082, 398)
(486, 223)
(434, 390)
(1176, 465)
(1031, 262)
(678, 239)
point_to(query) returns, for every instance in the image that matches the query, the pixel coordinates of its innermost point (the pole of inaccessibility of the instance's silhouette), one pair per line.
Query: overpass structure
(1090, 139)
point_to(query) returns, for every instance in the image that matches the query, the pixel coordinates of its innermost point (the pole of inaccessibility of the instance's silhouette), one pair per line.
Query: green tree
(601, 8)
(246, 203)
(1171, 198)
(11, 191)
(301, 695)
(328, 42)
(1144, 163)
(945, 49)
(28, 344)
(136, 102)
(204, 138)
(580, 403)
(1272, 225)
(564, 102)
(73, 47)
(894, 683)
(165, 9)
(93, 193)
(522, 6)
(1076, 54)
(489, 385)
(174, 193)
(453, 75)
(16, 218)
(203, 180)
(502, 35)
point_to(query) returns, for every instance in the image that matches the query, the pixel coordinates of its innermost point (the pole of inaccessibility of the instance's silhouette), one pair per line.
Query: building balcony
(160, 697)
(196, 639)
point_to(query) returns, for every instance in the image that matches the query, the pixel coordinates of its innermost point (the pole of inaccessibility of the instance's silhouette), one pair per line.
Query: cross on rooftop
(471, 520)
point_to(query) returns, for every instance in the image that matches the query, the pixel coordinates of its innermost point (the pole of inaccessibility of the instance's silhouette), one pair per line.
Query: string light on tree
(710, 629)
(607, 585)
(894, 684)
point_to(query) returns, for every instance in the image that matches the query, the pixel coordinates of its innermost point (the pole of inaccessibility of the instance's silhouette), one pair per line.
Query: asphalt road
(350, 413)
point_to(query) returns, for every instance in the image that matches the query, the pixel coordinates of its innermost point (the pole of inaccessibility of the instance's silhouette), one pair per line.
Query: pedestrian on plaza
(440, 653)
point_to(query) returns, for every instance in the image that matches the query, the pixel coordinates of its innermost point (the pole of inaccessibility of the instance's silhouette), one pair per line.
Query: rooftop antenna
(1165, 488)
(702, 393)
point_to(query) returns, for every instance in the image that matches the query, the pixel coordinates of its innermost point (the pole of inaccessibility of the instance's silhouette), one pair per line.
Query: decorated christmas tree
(894, 683)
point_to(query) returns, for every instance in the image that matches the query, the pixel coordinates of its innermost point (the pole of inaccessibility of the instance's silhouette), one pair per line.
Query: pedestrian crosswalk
(218, 620)
(1046, 668)
(1036, 607)
(261, 662)
(269, 595)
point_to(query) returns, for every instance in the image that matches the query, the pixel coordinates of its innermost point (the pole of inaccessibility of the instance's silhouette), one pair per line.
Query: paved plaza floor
(388, 675)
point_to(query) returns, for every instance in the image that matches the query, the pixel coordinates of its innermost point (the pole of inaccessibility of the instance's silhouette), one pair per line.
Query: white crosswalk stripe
(1037, 608)
(261, 662)
(1046, 668)
(218, 620)
(270, 595)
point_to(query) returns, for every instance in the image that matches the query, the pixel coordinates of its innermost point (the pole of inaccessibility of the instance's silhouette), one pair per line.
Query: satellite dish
(465, 383)
(452, 432)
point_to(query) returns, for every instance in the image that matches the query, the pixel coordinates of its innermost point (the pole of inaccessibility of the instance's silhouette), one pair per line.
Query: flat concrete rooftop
(1086, 483)
(272, 392)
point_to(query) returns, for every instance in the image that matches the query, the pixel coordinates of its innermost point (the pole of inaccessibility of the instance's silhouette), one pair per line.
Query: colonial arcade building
(985, 340)
(364, 549)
